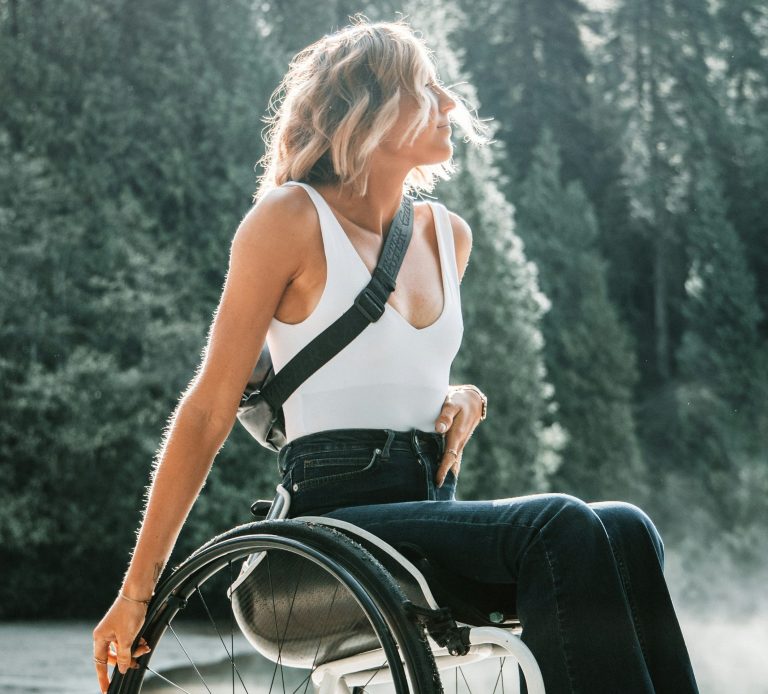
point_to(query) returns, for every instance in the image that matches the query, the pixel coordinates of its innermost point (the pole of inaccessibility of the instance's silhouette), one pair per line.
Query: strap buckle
(369, 304)
(369, 301)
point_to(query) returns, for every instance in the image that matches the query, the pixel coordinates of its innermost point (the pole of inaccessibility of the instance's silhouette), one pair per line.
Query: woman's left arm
(465, 405)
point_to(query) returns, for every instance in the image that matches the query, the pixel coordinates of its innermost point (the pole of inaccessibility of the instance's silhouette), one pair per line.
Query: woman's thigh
(482, 540)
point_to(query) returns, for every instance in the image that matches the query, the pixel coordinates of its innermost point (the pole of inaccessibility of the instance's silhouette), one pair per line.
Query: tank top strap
(444, 231)
(334, 258)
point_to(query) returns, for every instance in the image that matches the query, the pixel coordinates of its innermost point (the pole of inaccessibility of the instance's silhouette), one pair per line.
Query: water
(728, 655)
(57, 656)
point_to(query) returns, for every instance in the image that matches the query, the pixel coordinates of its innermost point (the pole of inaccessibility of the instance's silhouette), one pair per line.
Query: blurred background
(615, 304)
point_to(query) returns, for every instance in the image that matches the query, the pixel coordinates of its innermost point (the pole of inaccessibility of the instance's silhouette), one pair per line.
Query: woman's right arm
(265, 256)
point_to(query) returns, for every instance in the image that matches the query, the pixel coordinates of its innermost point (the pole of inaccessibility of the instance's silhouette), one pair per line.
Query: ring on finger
(454, 451)
(99, 661)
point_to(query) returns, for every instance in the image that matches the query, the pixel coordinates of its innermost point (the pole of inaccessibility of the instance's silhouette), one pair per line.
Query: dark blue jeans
(590, 589)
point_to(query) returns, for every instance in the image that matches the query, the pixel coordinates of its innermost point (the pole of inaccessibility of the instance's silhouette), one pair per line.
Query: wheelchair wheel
(281, 606)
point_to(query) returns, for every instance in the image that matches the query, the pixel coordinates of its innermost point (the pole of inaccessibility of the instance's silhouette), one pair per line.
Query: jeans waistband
(415, 438)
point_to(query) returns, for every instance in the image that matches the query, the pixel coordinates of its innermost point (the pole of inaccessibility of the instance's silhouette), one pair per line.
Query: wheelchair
(321, 605)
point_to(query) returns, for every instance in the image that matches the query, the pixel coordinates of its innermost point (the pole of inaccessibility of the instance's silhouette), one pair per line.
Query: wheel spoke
(463, 676)
(163, 677)
(304, 682)
(230, 654)
(501, 676)
(320, 642)
(232, 628)
(325, 622)
(375, 672)
(202, 679)
(277, 631)
(281, 641)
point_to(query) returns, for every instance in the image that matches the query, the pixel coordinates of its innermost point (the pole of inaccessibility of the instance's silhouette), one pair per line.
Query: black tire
(368, 609)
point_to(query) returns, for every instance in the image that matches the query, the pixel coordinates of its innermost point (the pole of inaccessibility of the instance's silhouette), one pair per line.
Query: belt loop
(425, 463)
(282, 454)
(390, 438)
(415, 442)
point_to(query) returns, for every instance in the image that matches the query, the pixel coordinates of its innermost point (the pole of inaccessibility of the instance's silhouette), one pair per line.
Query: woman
(364, 118)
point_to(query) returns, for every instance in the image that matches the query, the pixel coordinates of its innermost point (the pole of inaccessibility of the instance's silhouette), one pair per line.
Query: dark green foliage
(720, 345)
(127, 149)
(723, 384)
(588, 352)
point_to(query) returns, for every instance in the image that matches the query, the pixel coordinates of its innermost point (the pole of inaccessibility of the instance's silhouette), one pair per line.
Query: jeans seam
(320, 463)
(329, 479)
(432, 519)
(560, 621)
(331, 452)
(628, 590)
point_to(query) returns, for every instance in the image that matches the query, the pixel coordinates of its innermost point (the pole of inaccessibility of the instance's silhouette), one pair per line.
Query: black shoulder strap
(367, 308)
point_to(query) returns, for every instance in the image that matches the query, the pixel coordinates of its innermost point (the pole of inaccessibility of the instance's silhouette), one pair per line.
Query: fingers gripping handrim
(101, 658)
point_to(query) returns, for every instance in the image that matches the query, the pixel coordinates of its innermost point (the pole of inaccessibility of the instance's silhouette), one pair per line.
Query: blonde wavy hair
(339, 99)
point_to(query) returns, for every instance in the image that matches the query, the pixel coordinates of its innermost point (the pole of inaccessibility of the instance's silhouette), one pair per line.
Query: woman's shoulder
(284, 200)
(462, 237)
(282, 225)
(284, 211)
(459, 225)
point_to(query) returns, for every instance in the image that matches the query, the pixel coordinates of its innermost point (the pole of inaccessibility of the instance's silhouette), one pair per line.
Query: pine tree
(742, 78)
(530, 67)
(655, 75)
(588, 352)
(723, 387)
(741, 25)
(720, 345)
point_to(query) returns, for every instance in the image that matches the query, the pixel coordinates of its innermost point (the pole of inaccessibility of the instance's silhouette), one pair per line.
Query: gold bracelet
(482, 395)
(141, 602)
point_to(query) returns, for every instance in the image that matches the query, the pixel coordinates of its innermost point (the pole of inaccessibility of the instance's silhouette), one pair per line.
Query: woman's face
(432, 145)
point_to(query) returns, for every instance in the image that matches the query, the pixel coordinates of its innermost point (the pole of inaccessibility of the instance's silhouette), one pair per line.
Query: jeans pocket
(332, 467)
(337, 479)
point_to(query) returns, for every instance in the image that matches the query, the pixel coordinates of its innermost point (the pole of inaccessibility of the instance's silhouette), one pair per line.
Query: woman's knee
(571, 515)
(630, 522)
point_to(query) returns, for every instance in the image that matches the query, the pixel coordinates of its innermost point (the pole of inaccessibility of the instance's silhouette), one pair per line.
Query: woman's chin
(443, 155)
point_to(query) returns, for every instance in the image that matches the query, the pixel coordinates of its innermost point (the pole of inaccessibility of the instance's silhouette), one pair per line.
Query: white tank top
(392, 375)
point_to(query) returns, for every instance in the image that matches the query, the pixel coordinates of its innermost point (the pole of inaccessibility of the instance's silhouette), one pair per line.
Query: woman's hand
(119, 626)
(459, 416)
